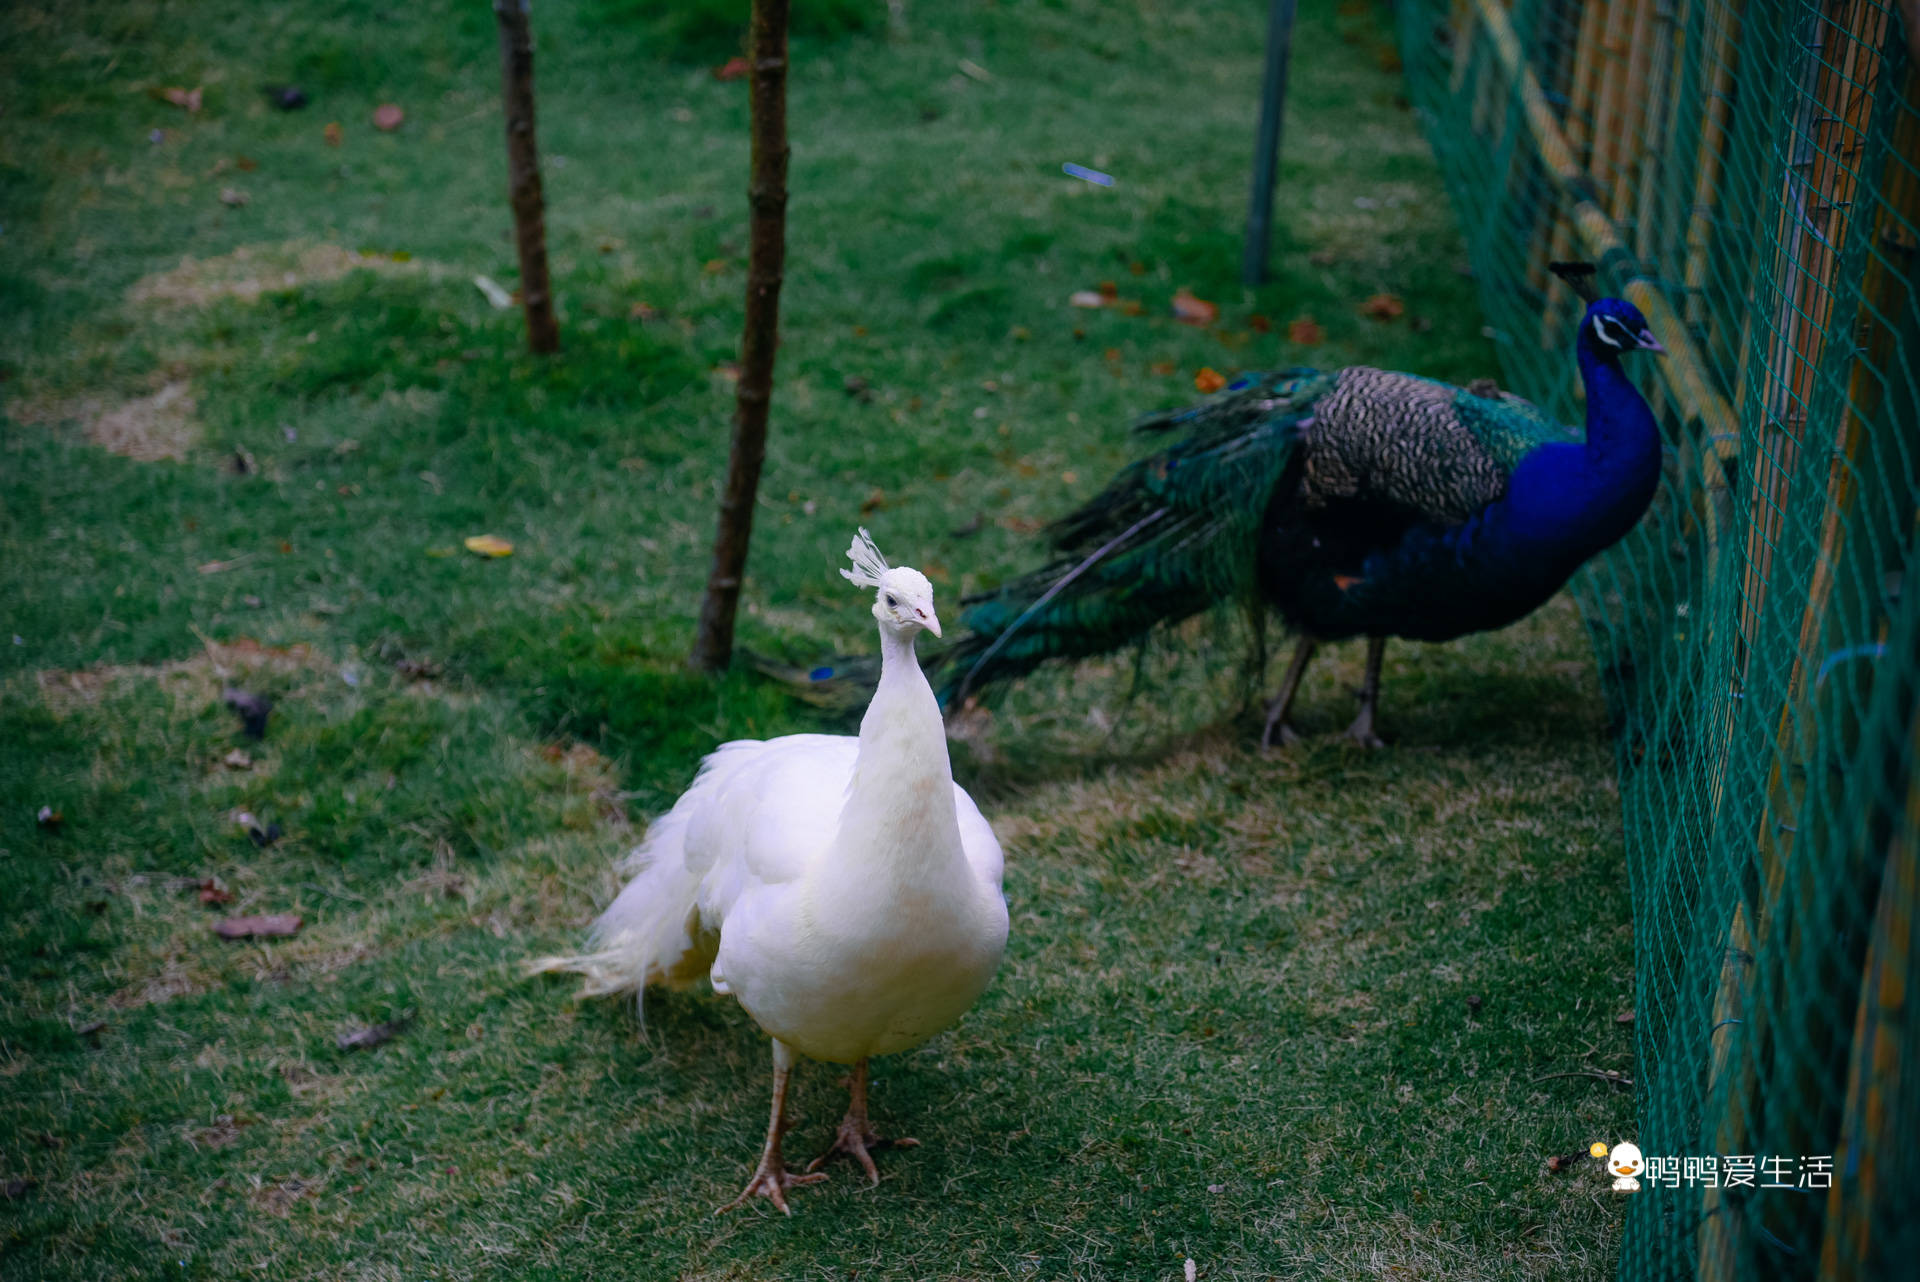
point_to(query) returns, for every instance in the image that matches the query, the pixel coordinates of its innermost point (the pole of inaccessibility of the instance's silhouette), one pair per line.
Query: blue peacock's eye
(891, 603)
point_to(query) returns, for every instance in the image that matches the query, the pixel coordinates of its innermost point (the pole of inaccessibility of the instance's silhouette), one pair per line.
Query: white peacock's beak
(931, 620)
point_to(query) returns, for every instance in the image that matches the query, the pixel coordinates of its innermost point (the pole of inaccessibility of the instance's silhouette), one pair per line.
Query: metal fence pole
(1266, 152)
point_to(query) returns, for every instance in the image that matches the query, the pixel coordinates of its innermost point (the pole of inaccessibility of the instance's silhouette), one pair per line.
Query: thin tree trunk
(766, 257)
(523, 174)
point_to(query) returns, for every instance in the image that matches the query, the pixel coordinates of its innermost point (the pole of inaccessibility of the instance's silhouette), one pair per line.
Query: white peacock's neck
(899, 820)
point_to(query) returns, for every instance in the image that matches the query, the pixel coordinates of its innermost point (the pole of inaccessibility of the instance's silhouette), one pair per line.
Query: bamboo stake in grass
(523, 174)
(766, 263)
(1871, 1137)
(1682, 371)
(1723, 52)
(1578, 131)
(1717, 1240)
(1815, 227)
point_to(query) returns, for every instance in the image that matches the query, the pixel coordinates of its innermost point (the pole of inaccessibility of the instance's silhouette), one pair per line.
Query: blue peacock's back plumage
(1353, 502)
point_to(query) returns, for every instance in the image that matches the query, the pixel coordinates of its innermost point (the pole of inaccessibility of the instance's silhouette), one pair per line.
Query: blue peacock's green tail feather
(1180, 530)
(1169, 536)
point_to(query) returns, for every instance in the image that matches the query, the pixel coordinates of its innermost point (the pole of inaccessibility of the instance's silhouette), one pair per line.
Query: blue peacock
(1355, 503)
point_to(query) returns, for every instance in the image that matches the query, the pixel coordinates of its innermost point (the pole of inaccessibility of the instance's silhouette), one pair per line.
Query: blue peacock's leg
(856, 1135)
(1361, 731)
(771, 1179)
(1283, 702)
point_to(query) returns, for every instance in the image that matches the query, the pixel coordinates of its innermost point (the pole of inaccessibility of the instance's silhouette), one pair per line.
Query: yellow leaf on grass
(1209, 380)
(488, 545)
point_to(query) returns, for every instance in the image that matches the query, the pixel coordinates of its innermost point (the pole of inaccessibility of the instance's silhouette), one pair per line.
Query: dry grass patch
(253, 270)
(147, 429)
(191, 683)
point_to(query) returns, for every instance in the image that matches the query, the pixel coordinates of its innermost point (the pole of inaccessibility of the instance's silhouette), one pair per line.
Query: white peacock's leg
(856, 1135)
(1361, 731)
(1283, 702)
(771, 1179)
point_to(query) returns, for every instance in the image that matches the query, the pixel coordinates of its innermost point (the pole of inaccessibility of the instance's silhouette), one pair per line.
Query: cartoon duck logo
(1625, 1162)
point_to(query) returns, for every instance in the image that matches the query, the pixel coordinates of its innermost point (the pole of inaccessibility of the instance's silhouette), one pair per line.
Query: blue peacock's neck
(1564, 503)
(1622, 437)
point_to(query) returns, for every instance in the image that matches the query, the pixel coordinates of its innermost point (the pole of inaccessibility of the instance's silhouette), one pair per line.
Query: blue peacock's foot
(1361, 731)
(1281, 734)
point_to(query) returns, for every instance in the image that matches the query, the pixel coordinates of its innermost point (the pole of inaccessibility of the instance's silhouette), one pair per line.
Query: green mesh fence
(1749, 175)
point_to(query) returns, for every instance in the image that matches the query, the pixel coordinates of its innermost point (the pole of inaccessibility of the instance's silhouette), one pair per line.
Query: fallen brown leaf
(1383, 307)
(1163, 368)
(1189, 310)
(212, 892)
(186, 99)
(258, 927)
(1305, 331)
(1209, 380)
(333, 133)
(1109, 290)
(1259, 324)
(1131, 307)
(735, 68)
(388, 117)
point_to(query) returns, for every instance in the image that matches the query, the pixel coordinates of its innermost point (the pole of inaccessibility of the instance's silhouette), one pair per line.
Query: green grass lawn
(1291, 1016)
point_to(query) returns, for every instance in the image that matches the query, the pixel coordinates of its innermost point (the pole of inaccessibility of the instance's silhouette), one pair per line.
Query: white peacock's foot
(771, 1180)
(857, 1138)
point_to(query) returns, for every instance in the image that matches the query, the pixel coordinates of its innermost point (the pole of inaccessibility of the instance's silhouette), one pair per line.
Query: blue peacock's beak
(1648, 343)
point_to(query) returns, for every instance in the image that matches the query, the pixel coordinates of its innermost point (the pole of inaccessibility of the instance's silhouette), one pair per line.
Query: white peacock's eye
(891, 603)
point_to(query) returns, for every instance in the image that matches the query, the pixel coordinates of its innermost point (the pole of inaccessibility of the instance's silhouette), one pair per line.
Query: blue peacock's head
(1613, 327)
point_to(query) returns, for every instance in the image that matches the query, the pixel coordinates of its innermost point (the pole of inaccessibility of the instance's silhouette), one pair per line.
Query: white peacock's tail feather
(868, 564)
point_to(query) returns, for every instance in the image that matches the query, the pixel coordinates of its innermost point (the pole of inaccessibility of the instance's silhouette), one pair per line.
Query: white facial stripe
(1613, 333)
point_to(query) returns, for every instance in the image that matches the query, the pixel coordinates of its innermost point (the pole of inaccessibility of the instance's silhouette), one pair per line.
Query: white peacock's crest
(868, 564)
